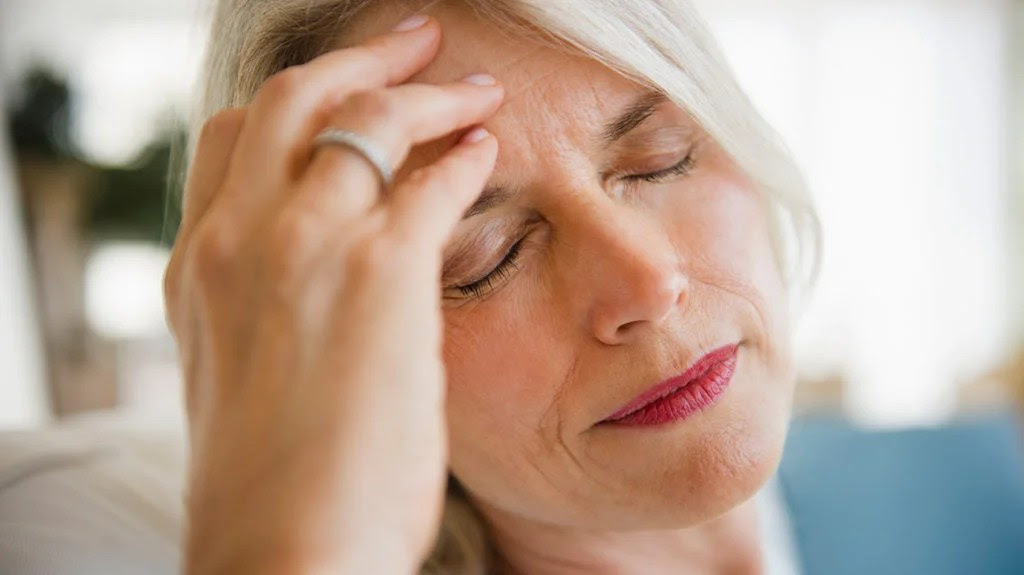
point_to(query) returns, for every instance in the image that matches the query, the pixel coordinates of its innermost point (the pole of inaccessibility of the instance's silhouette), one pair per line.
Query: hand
(306, 308)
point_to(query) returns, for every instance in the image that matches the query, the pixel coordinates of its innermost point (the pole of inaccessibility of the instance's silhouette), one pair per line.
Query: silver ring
(369, 150)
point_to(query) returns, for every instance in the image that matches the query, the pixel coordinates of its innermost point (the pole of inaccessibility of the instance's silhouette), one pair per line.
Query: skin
(326, 339)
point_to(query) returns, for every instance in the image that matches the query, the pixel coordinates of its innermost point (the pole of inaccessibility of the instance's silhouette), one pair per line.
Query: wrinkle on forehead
(556, 101)
(521, 60)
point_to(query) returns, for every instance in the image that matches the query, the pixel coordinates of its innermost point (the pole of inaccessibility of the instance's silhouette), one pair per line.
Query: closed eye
(501, 272)
(682, 168)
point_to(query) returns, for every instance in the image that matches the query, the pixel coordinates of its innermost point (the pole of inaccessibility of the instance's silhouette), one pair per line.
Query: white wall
(898, 111)
(1016, 141)
(23, 397)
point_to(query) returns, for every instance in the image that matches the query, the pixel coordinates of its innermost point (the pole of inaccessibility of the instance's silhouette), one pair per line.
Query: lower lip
(695, 396)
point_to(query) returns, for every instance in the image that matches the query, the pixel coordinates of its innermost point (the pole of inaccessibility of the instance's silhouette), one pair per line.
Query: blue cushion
(940, 501)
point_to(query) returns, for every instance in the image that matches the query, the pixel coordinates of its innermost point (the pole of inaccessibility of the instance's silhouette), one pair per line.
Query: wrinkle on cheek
(552, 430)
(560, 448)
(551, 421)
(750, 296)
(531, 364)
(729, 249)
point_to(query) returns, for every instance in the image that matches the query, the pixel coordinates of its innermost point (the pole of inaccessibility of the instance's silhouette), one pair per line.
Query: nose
(633, 277)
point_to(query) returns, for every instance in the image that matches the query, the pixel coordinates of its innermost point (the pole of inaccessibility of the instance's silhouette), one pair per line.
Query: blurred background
(907, 116)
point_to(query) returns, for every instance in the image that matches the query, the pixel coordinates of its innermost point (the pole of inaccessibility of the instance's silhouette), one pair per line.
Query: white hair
(662, 44)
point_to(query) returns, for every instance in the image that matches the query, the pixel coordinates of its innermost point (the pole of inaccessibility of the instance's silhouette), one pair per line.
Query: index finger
(429, 203)
(293, 104)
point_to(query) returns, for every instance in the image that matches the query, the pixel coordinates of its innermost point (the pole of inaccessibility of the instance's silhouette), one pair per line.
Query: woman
(543, 247)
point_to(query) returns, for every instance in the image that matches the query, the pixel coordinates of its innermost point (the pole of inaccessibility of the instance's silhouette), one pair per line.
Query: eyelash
(483, 285)
(680, 169)
(509, 263)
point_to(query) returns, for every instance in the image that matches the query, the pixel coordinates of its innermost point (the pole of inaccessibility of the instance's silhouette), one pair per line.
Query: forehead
(552, 94)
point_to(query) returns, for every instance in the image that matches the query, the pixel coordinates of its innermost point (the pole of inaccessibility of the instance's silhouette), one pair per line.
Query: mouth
(696, 389)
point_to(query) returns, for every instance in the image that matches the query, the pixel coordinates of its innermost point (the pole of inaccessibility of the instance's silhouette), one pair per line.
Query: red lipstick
(699, 387)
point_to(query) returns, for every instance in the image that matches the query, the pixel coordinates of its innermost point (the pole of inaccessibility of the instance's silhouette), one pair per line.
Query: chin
(697, 469)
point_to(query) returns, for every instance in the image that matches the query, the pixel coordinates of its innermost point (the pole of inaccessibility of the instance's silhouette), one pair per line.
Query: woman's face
(638, 247)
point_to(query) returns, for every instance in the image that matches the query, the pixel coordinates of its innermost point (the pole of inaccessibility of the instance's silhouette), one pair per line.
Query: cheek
(502, 360)
(722, 225)
(726, 230)
(505, 362)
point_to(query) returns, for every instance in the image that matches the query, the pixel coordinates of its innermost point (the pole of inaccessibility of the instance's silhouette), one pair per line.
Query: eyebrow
(634, 115)
(491, 197)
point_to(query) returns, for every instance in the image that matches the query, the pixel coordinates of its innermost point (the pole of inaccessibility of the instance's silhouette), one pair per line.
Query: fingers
(293, 103)
(393, 119)
(214, 150)
(388, 59)
(428, 204)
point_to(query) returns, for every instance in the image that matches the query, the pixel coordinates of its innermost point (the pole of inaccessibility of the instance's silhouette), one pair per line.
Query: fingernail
(480, 79)
(474, 136)
(411, 23)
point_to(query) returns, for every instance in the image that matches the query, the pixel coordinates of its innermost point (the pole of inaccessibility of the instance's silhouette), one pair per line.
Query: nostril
(649, 302)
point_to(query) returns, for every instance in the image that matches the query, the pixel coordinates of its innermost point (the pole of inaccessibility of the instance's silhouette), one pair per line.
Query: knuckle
(372, 104)
(213, 252)
(219, 124)
(172, 291)
(284, 85)
(172, 279)
(367, 63)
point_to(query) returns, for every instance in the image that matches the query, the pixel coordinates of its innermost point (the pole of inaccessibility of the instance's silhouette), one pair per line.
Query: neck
(727, 545)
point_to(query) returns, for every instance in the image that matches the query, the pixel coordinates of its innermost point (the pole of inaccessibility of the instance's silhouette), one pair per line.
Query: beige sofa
(101, 495)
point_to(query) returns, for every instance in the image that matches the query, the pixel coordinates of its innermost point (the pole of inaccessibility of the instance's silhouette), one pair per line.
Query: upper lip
(671, 385)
